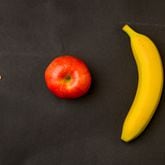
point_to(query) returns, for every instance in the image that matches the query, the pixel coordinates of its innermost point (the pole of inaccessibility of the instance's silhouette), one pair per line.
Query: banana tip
(126, 28)
(125, 138)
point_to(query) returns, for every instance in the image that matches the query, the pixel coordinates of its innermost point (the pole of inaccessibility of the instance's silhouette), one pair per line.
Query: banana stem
(128, 30)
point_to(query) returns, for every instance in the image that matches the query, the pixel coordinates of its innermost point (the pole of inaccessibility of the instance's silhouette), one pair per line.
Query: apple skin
(68, 77)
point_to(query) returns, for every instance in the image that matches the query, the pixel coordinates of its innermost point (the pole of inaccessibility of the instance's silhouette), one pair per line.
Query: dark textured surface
(36, 128)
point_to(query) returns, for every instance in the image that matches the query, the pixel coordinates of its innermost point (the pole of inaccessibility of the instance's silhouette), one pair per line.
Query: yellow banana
(150, 84)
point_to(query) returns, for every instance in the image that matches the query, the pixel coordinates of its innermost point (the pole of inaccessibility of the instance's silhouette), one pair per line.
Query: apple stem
(67, 78)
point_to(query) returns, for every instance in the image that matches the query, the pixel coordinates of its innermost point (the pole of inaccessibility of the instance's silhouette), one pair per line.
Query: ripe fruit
(150, 84)
(68, 77)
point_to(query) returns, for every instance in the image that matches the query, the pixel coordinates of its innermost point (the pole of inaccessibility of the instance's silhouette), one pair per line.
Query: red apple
(68, 77)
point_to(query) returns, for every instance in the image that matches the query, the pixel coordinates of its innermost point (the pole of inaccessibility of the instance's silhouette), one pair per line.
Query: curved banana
(150, 85)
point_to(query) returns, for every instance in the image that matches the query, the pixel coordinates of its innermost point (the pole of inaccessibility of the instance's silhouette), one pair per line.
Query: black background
(37, 128)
